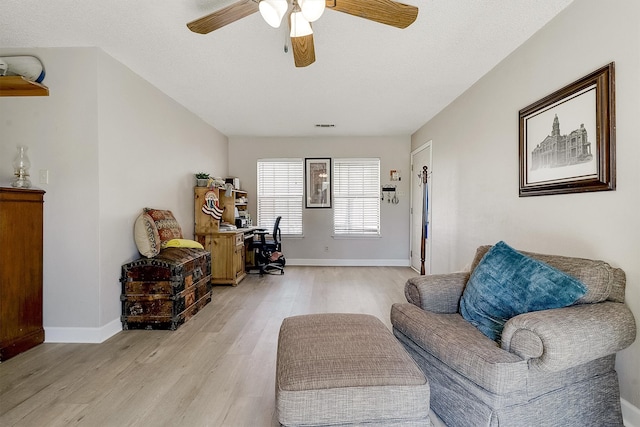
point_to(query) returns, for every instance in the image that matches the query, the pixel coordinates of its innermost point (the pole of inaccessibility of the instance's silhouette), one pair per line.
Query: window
(356, 196)
(280, 193)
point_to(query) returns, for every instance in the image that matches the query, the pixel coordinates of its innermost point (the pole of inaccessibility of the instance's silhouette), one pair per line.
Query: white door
(420, 157)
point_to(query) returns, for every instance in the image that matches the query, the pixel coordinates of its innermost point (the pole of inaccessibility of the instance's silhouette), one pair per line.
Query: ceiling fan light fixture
(300, 27)
(312, 9)
(273, 11)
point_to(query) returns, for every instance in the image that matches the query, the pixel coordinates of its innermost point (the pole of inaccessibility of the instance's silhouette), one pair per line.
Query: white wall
(394, 153)
(113, 144)
(475, 158)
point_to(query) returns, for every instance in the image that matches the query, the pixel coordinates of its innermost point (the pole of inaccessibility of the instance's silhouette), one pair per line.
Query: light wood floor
(218, 369)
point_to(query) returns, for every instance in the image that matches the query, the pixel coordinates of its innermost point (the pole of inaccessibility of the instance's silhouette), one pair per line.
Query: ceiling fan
(300, 15)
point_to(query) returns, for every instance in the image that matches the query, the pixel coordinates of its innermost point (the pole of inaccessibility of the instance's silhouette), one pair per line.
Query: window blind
(356, 195)
(280, 193)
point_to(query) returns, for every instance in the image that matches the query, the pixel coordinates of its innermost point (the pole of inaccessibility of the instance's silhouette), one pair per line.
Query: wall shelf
(19, 86)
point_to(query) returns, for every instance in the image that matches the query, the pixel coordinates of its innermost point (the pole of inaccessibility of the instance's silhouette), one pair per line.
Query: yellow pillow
(182, 243)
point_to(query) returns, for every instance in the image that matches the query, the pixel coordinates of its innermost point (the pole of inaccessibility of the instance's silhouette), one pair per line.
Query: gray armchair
(553, 368)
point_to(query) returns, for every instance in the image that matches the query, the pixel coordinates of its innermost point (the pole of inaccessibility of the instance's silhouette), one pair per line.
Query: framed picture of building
(317, 183)
(567, 139)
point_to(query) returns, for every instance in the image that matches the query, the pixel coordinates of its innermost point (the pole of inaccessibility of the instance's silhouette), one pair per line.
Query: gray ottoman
(346, 369)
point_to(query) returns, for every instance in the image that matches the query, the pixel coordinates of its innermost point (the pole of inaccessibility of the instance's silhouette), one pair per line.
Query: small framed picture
(567, 139)
(317, 174)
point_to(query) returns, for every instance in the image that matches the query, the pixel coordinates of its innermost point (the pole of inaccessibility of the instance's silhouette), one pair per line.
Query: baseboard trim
(349, 262)
(630, 414)
(82, 335)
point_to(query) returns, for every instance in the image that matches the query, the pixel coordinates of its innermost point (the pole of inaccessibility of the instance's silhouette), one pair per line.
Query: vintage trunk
(165, 291)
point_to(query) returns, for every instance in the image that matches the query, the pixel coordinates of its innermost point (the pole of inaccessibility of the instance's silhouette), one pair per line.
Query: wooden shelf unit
(227, 247)
(238, 199)
(19, 86)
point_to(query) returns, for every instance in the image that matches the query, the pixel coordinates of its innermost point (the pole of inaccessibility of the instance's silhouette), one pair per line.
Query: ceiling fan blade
(388, 12)
(304, 52)
(223, 17)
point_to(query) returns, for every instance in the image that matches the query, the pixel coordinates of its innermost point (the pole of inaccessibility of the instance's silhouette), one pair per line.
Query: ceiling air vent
(325, 125)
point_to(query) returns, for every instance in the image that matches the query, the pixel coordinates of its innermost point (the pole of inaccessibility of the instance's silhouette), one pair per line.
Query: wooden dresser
(20, 270)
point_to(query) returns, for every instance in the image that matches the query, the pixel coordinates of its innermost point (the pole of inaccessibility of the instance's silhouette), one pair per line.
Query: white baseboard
(630, 414)
(350, 262)
(82, 335)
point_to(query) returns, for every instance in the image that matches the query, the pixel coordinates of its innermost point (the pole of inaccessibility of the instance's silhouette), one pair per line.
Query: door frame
(427, 261)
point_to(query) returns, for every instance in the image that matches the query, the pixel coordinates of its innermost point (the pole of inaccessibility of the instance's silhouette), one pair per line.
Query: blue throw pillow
(507, 283)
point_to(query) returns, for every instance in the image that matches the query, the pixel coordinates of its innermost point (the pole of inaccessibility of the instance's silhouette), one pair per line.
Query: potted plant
(202, 179)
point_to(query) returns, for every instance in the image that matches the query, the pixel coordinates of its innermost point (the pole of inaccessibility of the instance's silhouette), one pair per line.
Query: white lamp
(312, 9)
(300, 27)
(272, 11)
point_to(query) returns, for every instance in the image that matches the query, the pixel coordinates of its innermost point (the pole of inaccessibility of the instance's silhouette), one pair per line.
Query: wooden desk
(228, 254)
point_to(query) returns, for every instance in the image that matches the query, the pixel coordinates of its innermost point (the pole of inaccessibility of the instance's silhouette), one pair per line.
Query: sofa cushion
(154, 229)
(603, 281)
(166, 224)
(183, 243)
(506, 283)
(145, 234)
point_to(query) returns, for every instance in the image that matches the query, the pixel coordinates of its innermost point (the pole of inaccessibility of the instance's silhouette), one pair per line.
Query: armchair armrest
(554, 340)
(438, 293)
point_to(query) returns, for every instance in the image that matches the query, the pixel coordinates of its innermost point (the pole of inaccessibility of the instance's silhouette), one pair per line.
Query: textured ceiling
(368, 78)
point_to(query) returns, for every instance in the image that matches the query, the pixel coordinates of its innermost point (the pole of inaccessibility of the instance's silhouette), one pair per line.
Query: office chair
(268, 253)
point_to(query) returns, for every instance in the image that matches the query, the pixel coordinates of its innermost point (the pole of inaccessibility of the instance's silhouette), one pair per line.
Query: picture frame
(567, 139)
(317, 174)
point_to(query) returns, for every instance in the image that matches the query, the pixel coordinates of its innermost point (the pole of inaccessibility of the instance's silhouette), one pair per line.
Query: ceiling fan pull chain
(286, 41)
